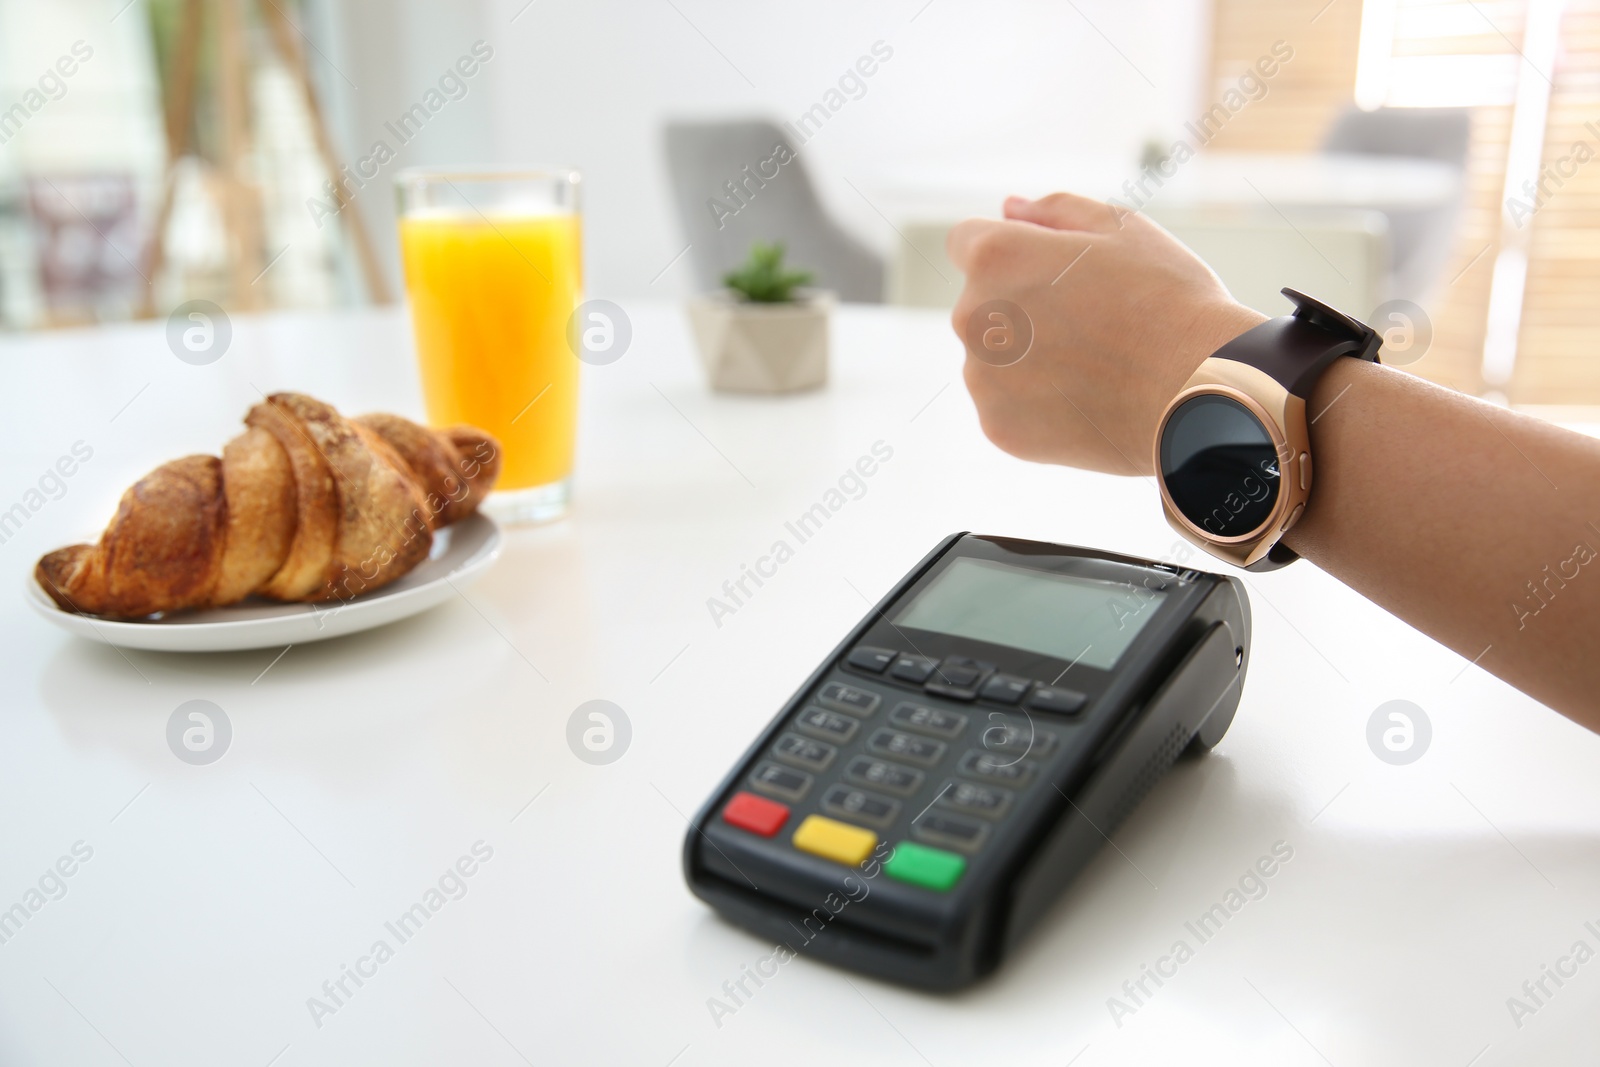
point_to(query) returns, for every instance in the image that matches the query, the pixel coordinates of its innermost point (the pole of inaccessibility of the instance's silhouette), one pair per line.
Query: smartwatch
(1233, 448)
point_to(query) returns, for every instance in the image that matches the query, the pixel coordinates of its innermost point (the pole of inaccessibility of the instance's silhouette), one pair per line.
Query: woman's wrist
(1207, 330)
(1336, 396)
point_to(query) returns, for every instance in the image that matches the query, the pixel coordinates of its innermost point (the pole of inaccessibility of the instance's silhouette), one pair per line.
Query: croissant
(305, 505)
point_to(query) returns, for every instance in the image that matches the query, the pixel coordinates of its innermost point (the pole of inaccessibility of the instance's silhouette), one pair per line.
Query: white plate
(461, 553)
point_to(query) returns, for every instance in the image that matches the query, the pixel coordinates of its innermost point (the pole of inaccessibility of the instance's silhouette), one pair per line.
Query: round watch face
(1219, 466)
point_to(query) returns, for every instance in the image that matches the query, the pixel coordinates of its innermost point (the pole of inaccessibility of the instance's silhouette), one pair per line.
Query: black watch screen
(1220, 466)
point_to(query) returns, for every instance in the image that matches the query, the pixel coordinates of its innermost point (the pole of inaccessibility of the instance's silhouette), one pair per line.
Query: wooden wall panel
(1558, 358)
(1561, 324)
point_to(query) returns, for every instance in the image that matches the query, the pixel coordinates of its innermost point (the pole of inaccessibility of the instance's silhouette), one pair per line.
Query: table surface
(216, 900)
(1233, 180)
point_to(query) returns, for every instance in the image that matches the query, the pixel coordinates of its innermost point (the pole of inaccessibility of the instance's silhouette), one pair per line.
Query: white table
(219, 898)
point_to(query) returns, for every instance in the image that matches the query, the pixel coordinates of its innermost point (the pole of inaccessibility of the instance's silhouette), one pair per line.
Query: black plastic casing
(1174, 688)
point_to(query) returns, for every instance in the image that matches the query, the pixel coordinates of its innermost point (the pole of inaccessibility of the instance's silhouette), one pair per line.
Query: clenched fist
(1114, 313)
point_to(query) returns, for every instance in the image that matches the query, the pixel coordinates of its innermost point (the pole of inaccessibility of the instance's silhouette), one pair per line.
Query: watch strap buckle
(1313, 311)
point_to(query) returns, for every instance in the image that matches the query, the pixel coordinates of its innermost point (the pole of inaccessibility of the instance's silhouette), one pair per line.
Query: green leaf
(762, 278)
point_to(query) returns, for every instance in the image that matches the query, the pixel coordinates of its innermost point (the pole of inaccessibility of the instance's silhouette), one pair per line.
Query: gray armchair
(737, 182)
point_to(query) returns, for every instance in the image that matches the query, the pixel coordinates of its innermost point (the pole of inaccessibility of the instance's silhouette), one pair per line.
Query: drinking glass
(494, 271)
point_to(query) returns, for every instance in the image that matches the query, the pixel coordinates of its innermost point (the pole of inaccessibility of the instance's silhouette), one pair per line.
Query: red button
(756, 814)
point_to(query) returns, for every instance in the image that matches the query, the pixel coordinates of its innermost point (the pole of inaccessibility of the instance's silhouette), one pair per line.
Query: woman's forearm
(1478, 526)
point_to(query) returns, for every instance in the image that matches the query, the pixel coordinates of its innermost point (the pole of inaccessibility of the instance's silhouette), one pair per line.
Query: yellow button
(834, 840)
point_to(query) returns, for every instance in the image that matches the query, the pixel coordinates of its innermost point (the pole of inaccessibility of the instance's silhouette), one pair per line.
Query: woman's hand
(1120, 314)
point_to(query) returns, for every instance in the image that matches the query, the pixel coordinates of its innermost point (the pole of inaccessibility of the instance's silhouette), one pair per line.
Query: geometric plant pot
(749, 347)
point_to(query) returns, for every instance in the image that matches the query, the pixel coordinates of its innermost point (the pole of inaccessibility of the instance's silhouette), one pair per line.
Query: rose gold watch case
(1284, 416)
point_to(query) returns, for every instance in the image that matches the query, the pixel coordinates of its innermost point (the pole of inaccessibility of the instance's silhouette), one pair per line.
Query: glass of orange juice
(494, 271)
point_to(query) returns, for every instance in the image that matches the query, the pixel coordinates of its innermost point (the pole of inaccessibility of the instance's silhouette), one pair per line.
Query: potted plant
(764, 333)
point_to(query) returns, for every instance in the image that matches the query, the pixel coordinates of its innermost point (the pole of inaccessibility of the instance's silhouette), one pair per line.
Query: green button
(932, 868)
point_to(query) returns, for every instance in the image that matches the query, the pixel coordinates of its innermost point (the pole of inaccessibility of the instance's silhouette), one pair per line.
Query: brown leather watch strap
(1295, 349)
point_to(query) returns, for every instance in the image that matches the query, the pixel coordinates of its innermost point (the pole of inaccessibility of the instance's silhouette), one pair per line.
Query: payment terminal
(930, 790)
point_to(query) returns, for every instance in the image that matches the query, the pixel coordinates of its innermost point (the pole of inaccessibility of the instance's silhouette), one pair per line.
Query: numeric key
(912, 749)
(804, 753)
(859, 805)
(940, 722)
(992, 767)
(1019, 739)
(841, 697)
(828, 725)
(781, 782)
(881, 774)
(984, 801)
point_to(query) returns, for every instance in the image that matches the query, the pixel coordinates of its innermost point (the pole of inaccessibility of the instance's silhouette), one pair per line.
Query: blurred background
(1422, 162)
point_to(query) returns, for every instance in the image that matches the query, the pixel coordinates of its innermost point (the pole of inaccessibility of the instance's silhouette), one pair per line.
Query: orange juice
(490, 299)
